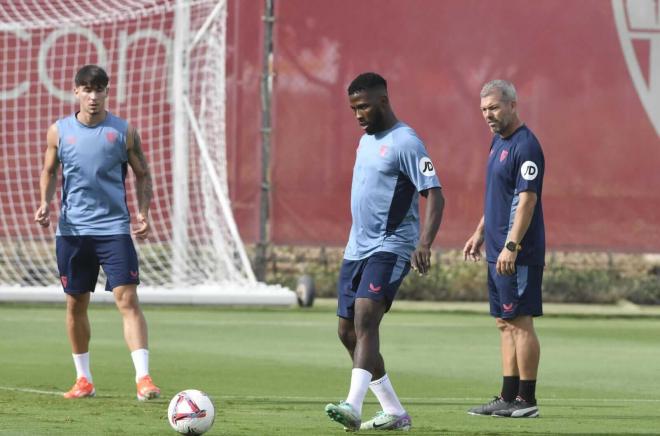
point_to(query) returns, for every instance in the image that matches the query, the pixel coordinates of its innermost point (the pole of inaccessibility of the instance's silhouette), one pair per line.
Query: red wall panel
(243, 123)
(575, 92)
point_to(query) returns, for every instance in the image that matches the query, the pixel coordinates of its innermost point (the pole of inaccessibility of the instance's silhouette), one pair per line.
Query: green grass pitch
(271, 372)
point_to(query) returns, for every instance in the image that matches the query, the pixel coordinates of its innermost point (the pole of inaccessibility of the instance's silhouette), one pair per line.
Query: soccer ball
(191, 412)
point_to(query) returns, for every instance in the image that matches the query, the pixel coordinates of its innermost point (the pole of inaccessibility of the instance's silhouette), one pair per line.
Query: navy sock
(510, 387)
(527, 391)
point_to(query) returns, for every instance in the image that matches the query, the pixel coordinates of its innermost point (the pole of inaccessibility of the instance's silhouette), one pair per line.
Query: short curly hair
(365, 82)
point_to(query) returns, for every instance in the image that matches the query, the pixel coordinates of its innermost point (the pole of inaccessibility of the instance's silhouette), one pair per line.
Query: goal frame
(185, 122)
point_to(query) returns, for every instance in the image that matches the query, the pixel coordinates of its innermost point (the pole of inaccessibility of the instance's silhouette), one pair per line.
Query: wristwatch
(513, 246)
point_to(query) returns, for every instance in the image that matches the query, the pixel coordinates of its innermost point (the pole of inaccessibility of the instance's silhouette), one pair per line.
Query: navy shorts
(377, 277)
(517, 294)
(79, 259)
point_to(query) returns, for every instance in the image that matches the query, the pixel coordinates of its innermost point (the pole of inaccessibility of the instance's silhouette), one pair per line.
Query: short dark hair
(92, 75)
(365, 82)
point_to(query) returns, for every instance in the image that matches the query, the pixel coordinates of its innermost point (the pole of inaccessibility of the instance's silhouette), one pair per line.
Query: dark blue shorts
(377, 277)
(79, 259)
(517, 294)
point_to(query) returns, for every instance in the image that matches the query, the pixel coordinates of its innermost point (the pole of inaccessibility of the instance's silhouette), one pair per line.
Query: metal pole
(180, 158)
(266, 97)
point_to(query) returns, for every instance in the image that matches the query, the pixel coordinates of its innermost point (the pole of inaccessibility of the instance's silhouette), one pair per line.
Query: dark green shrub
(568, 278)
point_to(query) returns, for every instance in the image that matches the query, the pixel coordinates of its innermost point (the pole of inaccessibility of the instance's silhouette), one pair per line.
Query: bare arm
(48, 178)
(143, 183)
(472, 249)
(435, 205)
(506, 261)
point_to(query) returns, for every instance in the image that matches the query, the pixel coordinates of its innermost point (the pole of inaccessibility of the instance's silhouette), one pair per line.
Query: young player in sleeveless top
(95, 149)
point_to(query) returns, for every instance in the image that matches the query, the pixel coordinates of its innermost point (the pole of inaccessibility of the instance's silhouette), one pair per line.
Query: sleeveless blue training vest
(94, 164)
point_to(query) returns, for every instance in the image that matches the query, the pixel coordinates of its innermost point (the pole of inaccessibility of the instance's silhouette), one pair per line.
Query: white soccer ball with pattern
(191, 412)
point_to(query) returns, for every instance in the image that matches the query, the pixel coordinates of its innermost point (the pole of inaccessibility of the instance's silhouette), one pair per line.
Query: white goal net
(166, 62)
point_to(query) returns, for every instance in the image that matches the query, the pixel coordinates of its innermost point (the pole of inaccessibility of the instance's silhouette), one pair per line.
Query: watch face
(511, 246)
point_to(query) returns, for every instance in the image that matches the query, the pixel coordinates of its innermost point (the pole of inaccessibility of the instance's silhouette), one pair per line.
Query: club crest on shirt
(503, 155)
(111, 136)
(426, 167)
(529, 170)
(383, 150)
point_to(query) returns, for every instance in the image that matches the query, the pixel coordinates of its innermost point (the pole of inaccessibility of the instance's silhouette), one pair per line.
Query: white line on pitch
(55, 393)
(440, 399)
(323, 399)
(30, 391)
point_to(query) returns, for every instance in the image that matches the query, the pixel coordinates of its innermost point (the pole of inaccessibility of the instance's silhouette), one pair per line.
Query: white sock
(141, 362)
(359, 386)
(383, 390)
(81, 361)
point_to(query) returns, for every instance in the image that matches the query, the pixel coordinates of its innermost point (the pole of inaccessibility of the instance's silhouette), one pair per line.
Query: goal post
(166, 62)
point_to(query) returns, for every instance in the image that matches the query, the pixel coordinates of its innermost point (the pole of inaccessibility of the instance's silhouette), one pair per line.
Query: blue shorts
(377, 277)
(517, 294)
(79, 259)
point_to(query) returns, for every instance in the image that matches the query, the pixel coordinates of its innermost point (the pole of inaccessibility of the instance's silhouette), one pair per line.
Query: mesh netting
(166, 62)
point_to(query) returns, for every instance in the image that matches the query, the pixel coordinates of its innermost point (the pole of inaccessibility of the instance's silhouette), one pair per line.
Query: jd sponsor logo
(426, 167)
(529, 170)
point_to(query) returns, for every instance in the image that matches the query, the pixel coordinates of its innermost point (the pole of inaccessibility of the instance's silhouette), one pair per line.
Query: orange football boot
(146, 389)
(82, 389)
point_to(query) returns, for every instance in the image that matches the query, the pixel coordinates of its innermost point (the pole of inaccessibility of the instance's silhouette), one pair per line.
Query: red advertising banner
(588, 80)
(587, 74)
